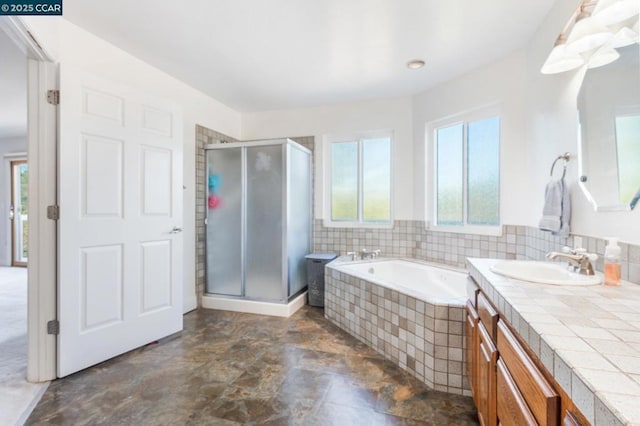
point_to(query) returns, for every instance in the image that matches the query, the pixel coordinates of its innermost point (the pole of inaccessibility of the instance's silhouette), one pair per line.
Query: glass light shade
(603, 56)
(611, 12)
(587, 34)
(560, 60)
(625, 36)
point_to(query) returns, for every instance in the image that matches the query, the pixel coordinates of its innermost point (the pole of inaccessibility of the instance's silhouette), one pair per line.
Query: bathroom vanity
(551, 355)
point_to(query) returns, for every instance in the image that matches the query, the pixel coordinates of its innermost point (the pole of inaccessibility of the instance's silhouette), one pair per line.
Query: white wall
(7, 146)
(71, 45)
(500, 83)
(388, 114)
(539, 122)
(551, 129)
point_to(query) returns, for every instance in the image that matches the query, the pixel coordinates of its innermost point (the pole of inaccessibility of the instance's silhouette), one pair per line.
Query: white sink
(543, 273)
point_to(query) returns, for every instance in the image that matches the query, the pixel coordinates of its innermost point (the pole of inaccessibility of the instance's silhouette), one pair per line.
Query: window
(360, 180)
(467, 173)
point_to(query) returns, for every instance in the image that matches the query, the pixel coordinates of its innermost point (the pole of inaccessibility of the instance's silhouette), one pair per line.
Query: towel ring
(565, 157)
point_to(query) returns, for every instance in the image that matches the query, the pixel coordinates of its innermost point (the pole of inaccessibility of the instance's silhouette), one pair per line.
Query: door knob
(175, 230)
(11, 212)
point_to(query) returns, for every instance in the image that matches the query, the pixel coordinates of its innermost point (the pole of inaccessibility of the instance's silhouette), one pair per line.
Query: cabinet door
(487, 357)
(570, 419)
(471, 349)
(541, 398)
(512, 409)
(488, 315)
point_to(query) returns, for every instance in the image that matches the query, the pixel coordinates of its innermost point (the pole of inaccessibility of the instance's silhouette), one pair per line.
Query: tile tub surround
(421, 337)
(587, 337)
(410, 238)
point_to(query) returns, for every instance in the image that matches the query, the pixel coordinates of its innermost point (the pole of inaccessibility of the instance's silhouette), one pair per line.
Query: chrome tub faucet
(364, 253)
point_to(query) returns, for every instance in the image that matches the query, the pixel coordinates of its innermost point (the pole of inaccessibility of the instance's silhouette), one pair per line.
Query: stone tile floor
(230, 368)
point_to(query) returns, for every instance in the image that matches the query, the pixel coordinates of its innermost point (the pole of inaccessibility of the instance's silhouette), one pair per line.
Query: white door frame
(14, 234)
(42, 156)
(8, 225)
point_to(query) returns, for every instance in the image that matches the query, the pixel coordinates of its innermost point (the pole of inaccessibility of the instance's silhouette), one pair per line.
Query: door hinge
(53, 97)
(53, 327)
(53, 212)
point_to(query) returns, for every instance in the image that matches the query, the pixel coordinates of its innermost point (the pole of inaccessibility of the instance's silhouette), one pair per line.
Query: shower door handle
(175, 230)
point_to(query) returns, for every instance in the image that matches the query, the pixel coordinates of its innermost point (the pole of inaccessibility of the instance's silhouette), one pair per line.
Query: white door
(120, 197)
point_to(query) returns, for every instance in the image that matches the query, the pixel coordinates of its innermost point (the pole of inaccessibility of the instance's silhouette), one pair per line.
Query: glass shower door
(265, 216)
(224, 221)
(298, 216)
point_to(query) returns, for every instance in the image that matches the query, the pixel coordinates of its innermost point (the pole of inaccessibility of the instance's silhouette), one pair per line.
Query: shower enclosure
(258, 226)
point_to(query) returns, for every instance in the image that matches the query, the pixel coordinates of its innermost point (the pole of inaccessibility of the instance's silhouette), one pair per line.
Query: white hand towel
(556, 212)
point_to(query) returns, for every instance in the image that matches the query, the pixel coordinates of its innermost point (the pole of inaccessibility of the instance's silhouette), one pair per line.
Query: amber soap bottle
(612, 263)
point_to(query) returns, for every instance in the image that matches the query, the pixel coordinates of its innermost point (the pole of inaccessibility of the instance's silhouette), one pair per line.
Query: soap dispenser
(612, 263)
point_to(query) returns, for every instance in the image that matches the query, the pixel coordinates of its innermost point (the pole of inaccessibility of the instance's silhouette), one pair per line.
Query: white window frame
(328, 141)
(432, 200)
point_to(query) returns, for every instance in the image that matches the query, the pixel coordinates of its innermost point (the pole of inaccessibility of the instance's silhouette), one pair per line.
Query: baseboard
(254, 307)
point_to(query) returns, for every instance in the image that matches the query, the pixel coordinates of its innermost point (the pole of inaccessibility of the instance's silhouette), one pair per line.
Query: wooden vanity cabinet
(486, 385)
(488, 315)
(512, 409)
(541, 399)
(571, 419)
(471, 341)
(481, 356)
(509, 387)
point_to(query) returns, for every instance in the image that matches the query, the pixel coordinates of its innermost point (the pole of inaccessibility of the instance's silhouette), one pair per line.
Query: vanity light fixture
(415, 64)
(592, 34)
(587, 33)
(624, 36)
(560, 59)
(611, 12)
(603, 56)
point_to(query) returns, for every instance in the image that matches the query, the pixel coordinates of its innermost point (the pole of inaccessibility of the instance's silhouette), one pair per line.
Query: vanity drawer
(512, 408)
(541, 398)
(488, 315)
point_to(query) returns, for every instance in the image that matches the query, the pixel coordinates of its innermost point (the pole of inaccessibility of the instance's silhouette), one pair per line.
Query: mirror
(609, 129)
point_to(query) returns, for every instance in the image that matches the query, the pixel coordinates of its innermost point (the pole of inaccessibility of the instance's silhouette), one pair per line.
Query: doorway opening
(16, 290)
(19, 212)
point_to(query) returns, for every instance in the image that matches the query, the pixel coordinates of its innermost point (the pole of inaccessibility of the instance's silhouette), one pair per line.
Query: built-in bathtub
(411, 312)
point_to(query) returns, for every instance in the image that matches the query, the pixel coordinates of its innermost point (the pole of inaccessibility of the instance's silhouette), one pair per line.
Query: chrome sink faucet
(579, 261)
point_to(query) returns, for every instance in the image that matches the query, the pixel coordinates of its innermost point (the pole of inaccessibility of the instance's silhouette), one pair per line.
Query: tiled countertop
(587, 337)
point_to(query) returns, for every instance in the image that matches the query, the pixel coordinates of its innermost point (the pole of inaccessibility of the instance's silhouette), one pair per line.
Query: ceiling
(13, 89)
(255, 55)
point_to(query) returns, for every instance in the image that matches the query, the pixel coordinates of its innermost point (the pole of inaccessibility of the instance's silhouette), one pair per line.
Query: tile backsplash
(410, 238)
